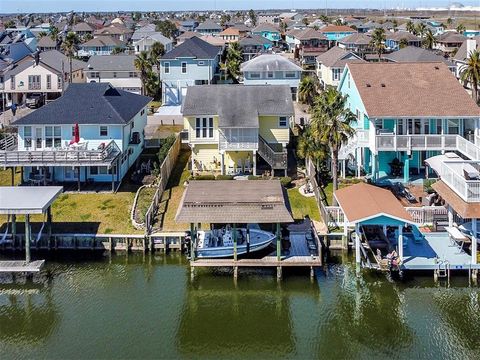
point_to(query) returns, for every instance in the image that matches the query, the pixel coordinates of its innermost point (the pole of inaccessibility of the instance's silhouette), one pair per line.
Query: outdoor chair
(239, 168)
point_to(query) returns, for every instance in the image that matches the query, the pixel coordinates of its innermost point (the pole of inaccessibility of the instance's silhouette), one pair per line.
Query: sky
(27, 6)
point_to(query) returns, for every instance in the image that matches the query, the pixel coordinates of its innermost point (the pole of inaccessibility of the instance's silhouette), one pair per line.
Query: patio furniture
(248, 167)
(456, 236)
(470, 173)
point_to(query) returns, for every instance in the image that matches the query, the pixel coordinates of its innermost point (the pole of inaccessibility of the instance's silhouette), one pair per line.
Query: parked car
(34, 101)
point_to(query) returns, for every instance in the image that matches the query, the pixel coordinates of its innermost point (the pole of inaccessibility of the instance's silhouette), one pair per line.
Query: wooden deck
(19, 266)
(267, 261)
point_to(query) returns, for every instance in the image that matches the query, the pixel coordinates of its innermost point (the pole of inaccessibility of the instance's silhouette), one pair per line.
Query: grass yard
(302, 205)
(164, 131)
(6, 177)
(143, 203)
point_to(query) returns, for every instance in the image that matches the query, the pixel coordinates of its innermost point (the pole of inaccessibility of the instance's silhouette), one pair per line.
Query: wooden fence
(165, 171)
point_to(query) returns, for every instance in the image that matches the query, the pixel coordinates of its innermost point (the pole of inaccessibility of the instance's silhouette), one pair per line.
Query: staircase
(276, 159)
(9, 142)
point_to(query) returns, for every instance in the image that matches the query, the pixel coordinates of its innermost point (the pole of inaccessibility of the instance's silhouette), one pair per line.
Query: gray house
(194, 62)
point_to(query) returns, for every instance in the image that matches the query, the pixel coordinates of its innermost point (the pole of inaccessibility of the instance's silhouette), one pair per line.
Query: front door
(70, 173)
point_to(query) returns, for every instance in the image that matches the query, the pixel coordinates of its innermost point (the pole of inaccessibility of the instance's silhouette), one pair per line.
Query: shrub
(427, 185)
(204, 177)
(167, 144)
(286, 181)
(253, 177)
(224, 177)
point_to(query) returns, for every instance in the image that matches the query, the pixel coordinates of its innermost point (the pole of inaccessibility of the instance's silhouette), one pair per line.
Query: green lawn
(302, 206)
(6, 177)
(144, 201)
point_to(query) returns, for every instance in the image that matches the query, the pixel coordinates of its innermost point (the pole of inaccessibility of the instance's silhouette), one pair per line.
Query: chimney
(471, 46)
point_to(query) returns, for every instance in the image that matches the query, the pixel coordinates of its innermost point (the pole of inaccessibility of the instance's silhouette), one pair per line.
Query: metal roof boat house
(93, 133)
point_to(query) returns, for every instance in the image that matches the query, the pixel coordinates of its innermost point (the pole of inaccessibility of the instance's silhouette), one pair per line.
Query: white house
(330, 65)
(146, 42)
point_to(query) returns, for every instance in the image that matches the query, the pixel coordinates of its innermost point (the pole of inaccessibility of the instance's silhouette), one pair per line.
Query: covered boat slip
(382, 225)
(26, 201)
(246, 202)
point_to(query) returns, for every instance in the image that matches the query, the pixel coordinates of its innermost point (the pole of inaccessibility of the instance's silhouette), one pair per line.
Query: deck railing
(238, 139)
(276, 159)
(9, 142)
(468, 190)
(59, 157)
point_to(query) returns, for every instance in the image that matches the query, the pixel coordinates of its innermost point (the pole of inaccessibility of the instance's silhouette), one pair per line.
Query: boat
(218, 243)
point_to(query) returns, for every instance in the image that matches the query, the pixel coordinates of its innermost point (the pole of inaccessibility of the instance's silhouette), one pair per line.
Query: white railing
(335, 216)
(363, 137)
(468, 190)
(238, 139)
(468, 148)
(360, 139)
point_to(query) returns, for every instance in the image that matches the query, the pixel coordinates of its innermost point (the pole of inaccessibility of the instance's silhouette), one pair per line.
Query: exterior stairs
(276, 159)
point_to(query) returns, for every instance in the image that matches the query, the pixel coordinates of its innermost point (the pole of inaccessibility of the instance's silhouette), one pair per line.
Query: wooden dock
(267, 261)
(20, 266)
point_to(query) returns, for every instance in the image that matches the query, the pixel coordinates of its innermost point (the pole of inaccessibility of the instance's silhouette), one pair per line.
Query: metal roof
(27, 199)
(231, 201)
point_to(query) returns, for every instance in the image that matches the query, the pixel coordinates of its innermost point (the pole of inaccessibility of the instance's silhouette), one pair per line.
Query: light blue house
(268, 31)
(406, 113)
(272, 69)
(101, 45)
(194, 62)
(337, 32)
(111, 126)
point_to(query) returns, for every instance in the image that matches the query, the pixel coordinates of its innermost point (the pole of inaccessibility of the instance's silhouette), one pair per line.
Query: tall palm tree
(42, 34)
(307, 90)
(332, 124)
(421, 29)
(55, 35)
(429, 41)
(461, 28)
(143, 64)
(470, 73)
(403, 43)
(410, 26)
(449, 22)
(156, 52)
(310, 147)
(69, 47)
(378, 41)
(234, 60)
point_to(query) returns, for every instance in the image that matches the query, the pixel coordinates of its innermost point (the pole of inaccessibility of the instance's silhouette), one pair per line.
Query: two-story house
(209, 27)
(406, 113)
(116, 31)
(230, 35)
(449, 42)
(416, 54)
(330, 65)
(359, 43)
(107, 122)
(101, 45)
(228, 126)
(468, 47)
(46, 43)
(308, 44)
(335, 33)
(253, 45)
(118, 70)
(145, 43)
(268, 31)
(394, 40)
(83, 29)
(272, 69)
(47, 77)
(194, 62)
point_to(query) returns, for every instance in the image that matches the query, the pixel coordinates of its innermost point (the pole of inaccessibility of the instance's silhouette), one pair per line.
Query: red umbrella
(76, 134)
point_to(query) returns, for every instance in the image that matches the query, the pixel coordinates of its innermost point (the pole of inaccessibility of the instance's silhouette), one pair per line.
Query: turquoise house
(268, 31)
(406, 113)
(337, 32)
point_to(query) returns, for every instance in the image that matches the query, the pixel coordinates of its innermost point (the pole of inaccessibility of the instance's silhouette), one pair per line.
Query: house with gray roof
(209, 27)
(110, 123)
(46, 74)
(359, 43)
(253, 45)
(101, 45)
(394, 40)
(118, 70)
(194, 62)
(331, 64)
(415, 54)
(83, 29)
(145, 43)
(272, 69)
(230, 127)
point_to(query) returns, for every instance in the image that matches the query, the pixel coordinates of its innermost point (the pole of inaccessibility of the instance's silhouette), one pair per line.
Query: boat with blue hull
(219, 243)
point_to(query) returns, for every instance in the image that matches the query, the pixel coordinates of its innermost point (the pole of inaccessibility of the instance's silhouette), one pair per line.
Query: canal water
(148, 307)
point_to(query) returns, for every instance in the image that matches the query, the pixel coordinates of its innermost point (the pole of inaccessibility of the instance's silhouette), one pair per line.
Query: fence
(165, 171)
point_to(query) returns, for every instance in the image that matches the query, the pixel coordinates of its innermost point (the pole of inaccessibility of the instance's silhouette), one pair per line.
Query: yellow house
(228, 126)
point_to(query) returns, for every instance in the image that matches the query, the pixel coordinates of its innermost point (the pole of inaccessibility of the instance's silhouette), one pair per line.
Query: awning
(27, 199)
(435, 162)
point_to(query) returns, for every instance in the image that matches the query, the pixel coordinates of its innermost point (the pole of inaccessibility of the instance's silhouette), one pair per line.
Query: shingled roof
(111, 63)
(238, 105)
(338, 57)
(91, 103)
(411, 90)
(416, 54)
(226, 202)
(193, 48)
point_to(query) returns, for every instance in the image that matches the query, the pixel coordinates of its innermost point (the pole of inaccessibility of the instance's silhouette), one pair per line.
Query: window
(348, 80)
(27, 136)
(132, 74)
(453, 126)
(283, 121)
(93, 170)
(201, 63)
(59, 82)
(49, 81)
(270, 74)
(166, 68)
(184, 67)
(38, 137)
(103, 170)
(290, 74)
(53, 136)
(114, 74)
(95, 75)
(103, 130)
(204, 127)
(254, 75)
(12, 82)
(336, 74)
(132, 124)
(34, 82)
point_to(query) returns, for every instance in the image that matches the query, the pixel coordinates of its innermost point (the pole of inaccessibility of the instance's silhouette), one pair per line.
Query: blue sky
(158, 5)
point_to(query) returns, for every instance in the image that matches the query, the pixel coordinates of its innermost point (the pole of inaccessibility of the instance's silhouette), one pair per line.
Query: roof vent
(437, 68)
(382, 85)
(368, 85)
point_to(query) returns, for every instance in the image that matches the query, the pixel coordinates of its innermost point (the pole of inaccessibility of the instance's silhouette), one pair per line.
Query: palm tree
(378, 41)
(310, 147)
(42, 34)
(307, 90)
(143, 64)
(470, 73)
(429, 41)
(152, 84)
(410, 27)
(55, 35)
(331, 123)
(233, 60)
(461, 28)
(69, 47)
(421, 29)
(449, 22)
(403, 43)
(157, 50)
(117, 50)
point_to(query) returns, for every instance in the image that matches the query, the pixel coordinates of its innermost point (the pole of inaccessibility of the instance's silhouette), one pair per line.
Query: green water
(147, 307)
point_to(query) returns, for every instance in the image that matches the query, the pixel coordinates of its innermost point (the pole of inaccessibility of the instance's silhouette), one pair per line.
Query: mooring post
(27, 238)
(279, 273)
(234, 242)
(14, 231)
(235, 272)
(279, 243)
(49, 227)
(110, 243)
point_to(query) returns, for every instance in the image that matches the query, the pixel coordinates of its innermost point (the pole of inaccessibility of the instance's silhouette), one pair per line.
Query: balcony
(58, 157)
(238, 139)
(393, 142)
(452, 174)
